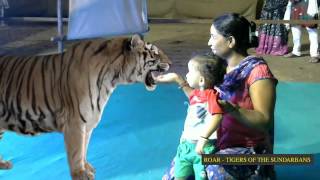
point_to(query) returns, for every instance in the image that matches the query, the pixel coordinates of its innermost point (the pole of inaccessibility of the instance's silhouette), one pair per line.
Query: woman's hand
(227, 107)
(170, 77)
(200, 146)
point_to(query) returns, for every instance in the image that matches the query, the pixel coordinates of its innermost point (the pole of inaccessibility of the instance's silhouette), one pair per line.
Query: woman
(249, 94)
(273, 38)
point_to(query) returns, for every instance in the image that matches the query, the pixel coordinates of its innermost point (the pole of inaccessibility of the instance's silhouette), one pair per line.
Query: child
(204, 114)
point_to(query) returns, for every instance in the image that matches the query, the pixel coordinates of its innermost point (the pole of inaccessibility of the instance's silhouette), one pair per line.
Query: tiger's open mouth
(149, 81)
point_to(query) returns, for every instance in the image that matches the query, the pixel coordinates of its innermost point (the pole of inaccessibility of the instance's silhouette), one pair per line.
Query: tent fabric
(201, 8)
(156, 9)
(100, 18)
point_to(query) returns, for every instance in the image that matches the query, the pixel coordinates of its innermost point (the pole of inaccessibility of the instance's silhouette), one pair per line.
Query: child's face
(193, 76)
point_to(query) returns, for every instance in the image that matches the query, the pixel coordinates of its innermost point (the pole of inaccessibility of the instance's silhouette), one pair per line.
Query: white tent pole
(4, 5)
(2, 16)
(60, 26)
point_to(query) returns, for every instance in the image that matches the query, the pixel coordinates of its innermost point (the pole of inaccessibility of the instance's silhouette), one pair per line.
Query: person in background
(303, 10)
(273, 38)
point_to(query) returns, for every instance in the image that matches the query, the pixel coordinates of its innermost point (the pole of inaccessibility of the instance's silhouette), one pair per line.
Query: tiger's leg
(4, 164)
(74, 135)
(88, 166)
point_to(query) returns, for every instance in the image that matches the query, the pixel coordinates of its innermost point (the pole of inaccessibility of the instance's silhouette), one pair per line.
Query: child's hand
(200, 146)
(170, 77)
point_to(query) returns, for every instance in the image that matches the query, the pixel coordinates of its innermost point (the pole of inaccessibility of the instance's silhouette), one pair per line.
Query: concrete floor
(180, 41)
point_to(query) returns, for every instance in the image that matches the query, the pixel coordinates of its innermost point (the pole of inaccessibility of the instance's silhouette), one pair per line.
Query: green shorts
(188, 162)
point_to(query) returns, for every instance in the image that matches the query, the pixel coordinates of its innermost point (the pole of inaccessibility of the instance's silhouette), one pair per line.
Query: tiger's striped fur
(67, 92)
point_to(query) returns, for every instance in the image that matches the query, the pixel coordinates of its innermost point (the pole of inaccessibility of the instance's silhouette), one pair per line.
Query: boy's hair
(211, 67)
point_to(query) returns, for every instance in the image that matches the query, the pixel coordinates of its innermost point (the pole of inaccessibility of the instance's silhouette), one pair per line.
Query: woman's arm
(173, 77)
(263, 96)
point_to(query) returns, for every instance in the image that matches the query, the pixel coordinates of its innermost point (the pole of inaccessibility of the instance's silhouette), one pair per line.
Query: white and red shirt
(203, 105)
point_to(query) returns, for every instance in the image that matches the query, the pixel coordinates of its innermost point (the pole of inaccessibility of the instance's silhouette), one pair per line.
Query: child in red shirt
(203, 117)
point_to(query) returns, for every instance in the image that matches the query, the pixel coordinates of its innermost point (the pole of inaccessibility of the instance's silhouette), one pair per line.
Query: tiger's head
(151, 60)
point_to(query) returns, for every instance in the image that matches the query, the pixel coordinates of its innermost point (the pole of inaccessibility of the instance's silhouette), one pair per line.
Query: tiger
(67, 92)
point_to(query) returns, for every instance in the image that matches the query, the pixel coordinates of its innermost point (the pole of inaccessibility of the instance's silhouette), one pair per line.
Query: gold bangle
(204, 138)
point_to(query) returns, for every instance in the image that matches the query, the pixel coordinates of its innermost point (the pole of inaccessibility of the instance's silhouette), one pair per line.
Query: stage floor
(139, 133)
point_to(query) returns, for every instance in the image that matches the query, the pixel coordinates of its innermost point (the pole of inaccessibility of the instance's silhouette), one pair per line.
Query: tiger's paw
(82, 175)
(5, 164)
(90, 168)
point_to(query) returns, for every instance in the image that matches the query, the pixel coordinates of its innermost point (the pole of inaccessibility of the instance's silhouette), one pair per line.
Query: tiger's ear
(137, 43)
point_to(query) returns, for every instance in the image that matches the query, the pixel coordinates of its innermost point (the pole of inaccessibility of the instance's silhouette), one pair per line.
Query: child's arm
(173, 77)
(204, 136)
(212, 126)
(183, 84)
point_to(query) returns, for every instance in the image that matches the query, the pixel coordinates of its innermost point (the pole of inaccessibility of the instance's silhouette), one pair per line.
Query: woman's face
(218, 43)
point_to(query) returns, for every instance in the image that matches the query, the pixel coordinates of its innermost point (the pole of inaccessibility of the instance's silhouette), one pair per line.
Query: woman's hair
(232, 24)
(211, 67)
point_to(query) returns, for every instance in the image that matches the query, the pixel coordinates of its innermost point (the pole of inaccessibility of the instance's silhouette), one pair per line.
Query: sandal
(290, 55)
(314, 60)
